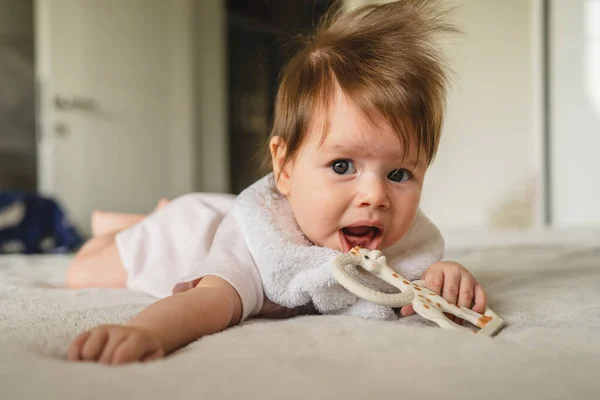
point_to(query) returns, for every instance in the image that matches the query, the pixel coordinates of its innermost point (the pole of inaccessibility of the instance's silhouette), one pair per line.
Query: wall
(212, 157)
(575, 111)
(488, 170)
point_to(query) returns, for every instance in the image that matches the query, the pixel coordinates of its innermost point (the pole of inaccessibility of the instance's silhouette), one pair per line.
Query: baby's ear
(278, 149)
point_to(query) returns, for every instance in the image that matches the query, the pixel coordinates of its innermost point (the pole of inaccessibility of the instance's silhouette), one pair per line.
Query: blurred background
(114, 104)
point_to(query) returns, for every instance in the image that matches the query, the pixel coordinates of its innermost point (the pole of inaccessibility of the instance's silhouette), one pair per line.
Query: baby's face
(355, 188)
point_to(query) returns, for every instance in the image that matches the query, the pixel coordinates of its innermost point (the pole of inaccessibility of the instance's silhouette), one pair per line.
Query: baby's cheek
(402, 225)
(319, 226)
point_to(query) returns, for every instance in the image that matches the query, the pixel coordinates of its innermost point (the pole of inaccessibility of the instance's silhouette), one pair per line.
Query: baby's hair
(384, 58)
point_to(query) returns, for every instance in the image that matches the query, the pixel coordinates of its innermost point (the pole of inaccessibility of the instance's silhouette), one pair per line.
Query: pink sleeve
(230, 259)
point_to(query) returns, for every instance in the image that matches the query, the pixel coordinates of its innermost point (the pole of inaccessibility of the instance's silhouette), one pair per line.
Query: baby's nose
(374, 193)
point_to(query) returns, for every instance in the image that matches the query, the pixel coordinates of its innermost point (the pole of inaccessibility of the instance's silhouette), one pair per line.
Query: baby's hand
(116, 344)
(455, 284)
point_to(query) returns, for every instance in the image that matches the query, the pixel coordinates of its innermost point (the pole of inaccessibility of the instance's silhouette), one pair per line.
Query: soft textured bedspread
(548, 292)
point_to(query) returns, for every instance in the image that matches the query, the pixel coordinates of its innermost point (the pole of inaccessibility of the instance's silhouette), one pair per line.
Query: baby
(358, 118)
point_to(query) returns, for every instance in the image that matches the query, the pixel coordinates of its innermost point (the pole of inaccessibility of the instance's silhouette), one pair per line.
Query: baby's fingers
(451, 286)
(131, 349)
(137, 347)
(434, 280)
(93, 346)
(407, 310)
(77, 345)
(480, 299)
(117, 336)
(450, 289)
(466, 291)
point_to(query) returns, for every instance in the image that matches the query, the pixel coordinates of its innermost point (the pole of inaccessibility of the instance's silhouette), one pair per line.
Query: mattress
(545, 285)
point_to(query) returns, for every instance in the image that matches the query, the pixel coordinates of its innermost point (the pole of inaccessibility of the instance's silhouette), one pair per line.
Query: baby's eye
(343, 167)
(399, 175)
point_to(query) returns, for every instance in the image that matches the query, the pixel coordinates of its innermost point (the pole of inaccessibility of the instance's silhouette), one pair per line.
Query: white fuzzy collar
(295, 272)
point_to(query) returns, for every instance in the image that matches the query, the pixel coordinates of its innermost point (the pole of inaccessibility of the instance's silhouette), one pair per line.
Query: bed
(545, 284)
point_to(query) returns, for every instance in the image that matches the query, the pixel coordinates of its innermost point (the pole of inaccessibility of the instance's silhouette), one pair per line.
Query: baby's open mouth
(368, 237)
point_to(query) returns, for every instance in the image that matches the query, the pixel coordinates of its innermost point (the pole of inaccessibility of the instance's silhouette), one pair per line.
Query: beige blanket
(547, 290)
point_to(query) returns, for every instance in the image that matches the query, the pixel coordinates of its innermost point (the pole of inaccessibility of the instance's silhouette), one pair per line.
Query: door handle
(67, 101)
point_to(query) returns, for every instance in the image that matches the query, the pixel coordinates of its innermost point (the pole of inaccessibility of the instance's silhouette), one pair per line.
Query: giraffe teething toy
(425, 302)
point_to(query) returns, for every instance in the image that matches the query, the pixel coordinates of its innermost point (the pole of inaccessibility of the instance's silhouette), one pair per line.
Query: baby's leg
(104, 222)
(97, 264)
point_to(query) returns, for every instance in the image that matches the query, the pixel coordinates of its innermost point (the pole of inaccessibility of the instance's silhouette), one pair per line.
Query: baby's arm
(163, 327)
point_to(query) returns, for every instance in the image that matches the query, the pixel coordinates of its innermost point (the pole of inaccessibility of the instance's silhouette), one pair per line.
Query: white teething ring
(361, 290)
(425, 302)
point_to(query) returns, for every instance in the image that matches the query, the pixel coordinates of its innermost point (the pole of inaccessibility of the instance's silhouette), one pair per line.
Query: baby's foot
(99, 226)
(161, 203)
(104, 222)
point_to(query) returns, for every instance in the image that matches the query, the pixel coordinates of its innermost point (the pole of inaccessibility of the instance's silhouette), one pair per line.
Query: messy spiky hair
(384, 59)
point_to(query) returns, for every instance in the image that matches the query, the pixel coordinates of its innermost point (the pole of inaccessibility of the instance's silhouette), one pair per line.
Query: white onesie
(259, 249)
(191, 236)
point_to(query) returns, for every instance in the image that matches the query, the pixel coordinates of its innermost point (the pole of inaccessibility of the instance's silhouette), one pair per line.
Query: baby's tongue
(357, 236)
(358, 230)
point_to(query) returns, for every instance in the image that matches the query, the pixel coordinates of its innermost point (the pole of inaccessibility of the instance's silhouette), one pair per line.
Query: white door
(115, 103)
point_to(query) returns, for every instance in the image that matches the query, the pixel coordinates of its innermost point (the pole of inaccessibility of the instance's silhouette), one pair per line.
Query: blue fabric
(32, 224)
